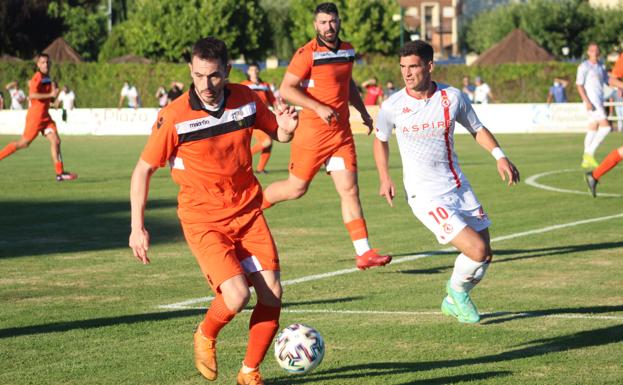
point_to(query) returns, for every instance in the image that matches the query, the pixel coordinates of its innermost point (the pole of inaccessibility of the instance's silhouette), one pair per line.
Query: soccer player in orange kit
(204, 135)
(38, 119)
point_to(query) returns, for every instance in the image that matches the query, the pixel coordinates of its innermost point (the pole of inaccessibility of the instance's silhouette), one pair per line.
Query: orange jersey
(262, 89)
(209, 154)
(617, 70)
(325, 76)
(41, 84)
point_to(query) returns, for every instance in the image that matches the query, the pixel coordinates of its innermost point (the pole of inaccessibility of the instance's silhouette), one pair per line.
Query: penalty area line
(188, 303)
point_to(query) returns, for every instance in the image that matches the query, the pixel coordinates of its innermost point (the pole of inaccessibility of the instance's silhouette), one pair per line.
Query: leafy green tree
(84, 24)
(369, 27)
(490, 27)
(280, 26)
(166, 30)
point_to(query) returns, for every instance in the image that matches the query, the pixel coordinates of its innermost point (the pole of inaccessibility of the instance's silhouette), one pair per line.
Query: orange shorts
(334, 149)
(242, 245)
(37, 125)
(260, 136)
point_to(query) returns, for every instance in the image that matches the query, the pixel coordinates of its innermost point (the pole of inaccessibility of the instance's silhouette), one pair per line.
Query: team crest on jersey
(237, 117)
(447, 228)
(160, 121)
(445, 102)
(406, 110)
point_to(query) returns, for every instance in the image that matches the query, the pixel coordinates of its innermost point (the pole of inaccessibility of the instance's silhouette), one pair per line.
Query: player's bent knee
(237, 299)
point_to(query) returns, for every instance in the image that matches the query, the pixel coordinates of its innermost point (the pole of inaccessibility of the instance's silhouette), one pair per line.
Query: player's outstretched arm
(506, 168)
(355, 100)
(287, 119)
(387, 188)
(139, 189)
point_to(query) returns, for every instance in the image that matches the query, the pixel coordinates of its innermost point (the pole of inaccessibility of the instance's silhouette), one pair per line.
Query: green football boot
(589, 161)
(467, 312)
(448, 308)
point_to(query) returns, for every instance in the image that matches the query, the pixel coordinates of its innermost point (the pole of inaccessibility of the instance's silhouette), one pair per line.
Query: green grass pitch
(77, 308)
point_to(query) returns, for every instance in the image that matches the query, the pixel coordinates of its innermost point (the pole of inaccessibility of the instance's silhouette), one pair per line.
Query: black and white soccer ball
(299, 348)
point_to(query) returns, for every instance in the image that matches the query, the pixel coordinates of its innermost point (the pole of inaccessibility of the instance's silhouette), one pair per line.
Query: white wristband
(498, 153)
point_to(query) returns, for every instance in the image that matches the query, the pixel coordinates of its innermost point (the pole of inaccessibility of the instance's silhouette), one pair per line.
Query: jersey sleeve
(301, 63)
(34, 83)
(580, 77)
(265, 120)
(466, 115)
(384, 123)
(162, 142)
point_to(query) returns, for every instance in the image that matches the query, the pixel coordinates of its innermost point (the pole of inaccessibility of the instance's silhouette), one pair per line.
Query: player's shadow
(429, 381)
(510, 255)
(580, 340)
(501, 317)
(94, 323)
(36, 228)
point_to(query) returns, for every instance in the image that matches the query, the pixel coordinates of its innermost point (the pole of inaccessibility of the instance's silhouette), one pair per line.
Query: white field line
(187, 304)
(532, 181)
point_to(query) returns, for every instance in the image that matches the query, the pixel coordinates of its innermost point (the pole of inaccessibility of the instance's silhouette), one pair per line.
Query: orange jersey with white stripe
(41, 84)
(325, 75)
(209, 152)
(262, 89)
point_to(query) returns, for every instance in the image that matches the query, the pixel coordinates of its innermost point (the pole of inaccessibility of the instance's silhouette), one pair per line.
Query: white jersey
(593, 77)
(425, 134)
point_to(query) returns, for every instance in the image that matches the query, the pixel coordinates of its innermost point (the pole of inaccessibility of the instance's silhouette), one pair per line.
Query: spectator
(389, 89)
(1, 101)
(557, 92)
(130, 92)
(482, 91)
(374, 93)
(68, 100)
(177, 89)
(17, 96)
(468, 89)
(161, 95)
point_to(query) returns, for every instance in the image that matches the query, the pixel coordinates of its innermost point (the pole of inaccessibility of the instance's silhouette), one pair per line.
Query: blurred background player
(609, 162)
(263, 142)
(590, 81)
(319, 79)
(557, 92)
(17, 96)
(204, 135)
(374, 92)
(38, 120)
(424, 114)
(67, 100)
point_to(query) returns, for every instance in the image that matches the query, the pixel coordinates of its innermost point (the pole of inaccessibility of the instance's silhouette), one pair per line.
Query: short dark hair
(418, 48)
(42, 54)
(326, 8)
(210, 48)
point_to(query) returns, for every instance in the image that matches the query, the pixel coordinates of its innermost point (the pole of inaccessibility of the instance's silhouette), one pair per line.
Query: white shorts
(597, 115)
(446, 215)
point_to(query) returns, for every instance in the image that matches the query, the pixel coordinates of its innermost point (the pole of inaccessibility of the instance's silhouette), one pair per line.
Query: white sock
(464, 274)
(246, 369)
(599, 137)
(361, 246)
(588, 139)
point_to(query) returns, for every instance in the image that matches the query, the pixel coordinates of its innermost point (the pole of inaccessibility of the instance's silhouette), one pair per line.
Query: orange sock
(264, 156)
(256, 148)
(8, 150)
(266, 204)
(607, 164)
(58, 166)
(217, 317)
(357, 229)
(262, 329)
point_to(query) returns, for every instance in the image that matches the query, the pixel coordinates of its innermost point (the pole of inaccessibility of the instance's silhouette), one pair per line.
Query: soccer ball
(299, 348)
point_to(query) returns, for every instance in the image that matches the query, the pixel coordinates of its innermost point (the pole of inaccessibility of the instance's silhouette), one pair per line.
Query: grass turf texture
(77, 308)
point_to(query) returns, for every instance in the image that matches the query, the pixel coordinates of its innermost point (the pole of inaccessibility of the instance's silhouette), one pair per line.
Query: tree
(84, 25)
(368, 25)
(166, 30)
(280, 25)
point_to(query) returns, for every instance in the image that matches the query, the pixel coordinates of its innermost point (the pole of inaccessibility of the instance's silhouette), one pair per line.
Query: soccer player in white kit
(424, 115)
(590, 80)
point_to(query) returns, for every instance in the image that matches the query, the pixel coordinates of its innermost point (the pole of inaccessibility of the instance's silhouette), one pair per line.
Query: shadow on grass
(94, 323)
(501, 317)
(580, 340)
(499, 255)
(429, 381)
(63, 227)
